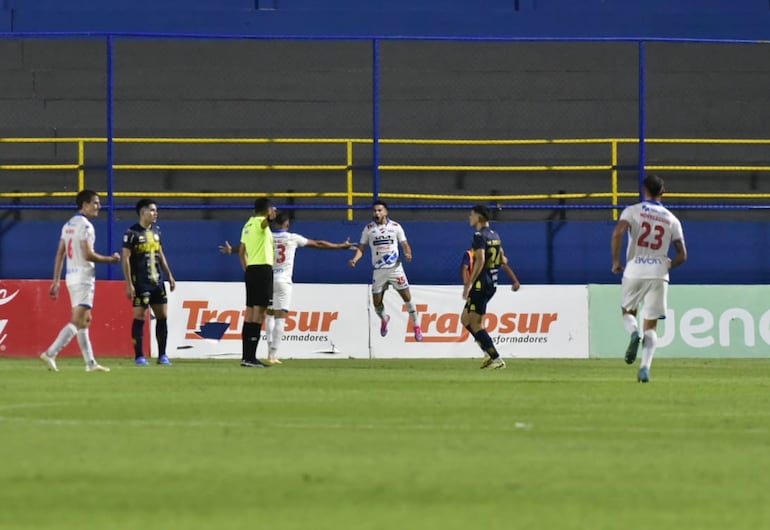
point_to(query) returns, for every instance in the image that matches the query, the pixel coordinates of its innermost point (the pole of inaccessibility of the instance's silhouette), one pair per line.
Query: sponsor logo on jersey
(644, 260)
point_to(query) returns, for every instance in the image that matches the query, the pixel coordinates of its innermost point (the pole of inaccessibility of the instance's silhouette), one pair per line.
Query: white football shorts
(394, 276)
(281, 296)
(82, 294)
(651, 294)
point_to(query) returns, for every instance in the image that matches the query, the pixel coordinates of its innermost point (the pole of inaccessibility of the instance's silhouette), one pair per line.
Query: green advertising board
(726, 321)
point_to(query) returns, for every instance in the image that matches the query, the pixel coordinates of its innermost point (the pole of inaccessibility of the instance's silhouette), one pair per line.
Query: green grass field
(388, 444)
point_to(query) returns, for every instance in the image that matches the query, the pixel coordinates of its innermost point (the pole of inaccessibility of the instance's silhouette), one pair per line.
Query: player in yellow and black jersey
(480, 285)
(145, 270)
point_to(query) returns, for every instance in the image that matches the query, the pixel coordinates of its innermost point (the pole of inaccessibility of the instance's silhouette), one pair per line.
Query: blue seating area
(719, 19)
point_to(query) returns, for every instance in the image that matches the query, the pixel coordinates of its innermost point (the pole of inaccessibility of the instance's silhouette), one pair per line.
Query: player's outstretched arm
(320, 243)
(228, 249)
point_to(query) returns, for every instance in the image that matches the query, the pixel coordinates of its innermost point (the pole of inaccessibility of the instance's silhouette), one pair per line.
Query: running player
(652, 229)
(466, 266)
(481, 284)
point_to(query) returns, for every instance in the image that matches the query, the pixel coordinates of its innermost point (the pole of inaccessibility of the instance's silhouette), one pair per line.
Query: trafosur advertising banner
(328, 321)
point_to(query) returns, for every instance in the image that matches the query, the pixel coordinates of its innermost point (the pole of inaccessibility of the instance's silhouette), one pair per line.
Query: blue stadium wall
(541, 252)
(574, 252)
(738, 19)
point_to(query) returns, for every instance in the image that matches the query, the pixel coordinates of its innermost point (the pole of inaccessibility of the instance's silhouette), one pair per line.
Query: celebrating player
(383, 236)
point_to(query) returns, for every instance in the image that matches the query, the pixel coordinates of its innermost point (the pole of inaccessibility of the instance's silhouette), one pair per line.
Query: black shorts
(147, 295)
(259, 285)
(479, 297)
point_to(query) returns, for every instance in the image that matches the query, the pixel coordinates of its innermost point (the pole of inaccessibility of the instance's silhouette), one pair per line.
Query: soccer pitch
(386, 444)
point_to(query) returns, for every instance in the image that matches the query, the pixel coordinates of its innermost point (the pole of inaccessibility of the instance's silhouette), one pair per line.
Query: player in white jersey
(285, 244)
(383, 237)
(652, 230)
(77, 245)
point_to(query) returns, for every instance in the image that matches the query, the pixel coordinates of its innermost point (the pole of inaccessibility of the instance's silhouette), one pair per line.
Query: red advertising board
(30, 319)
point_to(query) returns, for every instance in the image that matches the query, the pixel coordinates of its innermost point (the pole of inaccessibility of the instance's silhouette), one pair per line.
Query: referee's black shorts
(259, 285)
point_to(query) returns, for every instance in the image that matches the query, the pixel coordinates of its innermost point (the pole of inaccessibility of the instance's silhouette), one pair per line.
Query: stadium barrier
(30, 319)
(336, 322)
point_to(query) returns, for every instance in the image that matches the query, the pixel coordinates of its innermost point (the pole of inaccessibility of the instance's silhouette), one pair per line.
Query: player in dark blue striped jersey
(481, 284)
(144, 266)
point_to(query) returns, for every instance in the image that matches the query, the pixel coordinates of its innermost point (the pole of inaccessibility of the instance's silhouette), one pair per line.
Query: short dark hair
(381, 203)
(262, 204)
(85, 196)
(482, 211)
(654, 185)
(143, 203)
(281, 217)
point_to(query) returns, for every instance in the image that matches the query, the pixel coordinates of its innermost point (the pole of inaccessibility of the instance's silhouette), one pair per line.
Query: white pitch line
(517, 426)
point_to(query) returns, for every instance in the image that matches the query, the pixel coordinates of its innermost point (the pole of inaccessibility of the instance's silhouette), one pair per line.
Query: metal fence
(536, 128)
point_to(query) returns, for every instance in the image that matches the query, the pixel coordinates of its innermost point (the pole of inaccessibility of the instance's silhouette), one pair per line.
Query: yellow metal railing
(347, 166)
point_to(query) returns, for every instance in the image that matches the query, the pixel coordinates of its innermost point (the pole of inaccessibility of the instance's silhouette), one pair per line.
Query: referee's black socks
(250, 340)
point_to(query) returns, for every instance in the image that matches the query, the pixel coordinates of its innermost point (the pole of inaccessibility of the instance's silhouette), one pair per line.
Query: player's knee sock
(250, 340)
(485, 341)
(257, 334)
(161, 335)
(62, 339)
(629, 322)
(380, 310)
(137, 337)
(649, 343)
(412, 311)
(270, 328)
(277, 334)
(473, 333)
(84, 341)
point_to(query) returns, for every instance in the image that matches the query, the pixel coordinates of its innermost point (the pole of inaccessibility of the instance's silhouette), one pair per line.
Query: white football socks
(649, 343)
(629, 322)
(269, 328)
(275, 343)
(64, 338)
(412, 311)
(84, 341)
